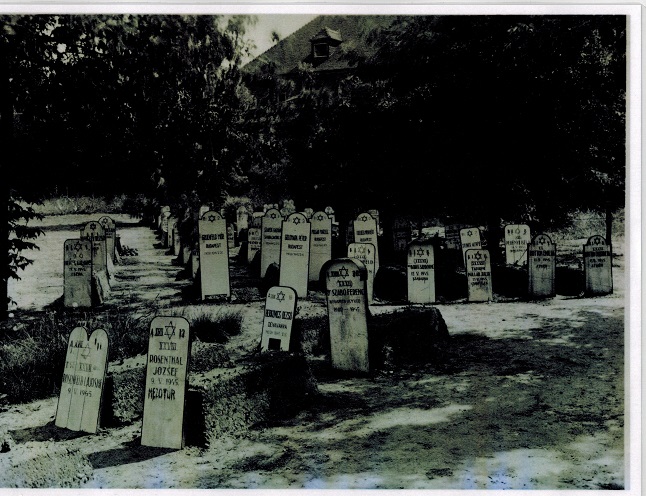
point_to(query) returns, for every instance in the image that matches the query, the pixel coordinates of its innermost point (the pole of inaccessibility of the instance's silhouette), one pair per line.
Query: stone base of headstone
(46, 465)
(391, 284)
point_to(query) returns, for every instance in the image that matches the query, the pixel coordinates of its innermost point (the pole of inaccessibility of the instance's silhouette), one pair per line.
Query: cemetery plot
(478, 265)
(469, 240)
(320, 244)
(280, 306)
(541, 267)
(109, 227)
(166, 380)
(365, 231)
(365, 253)
(597, 264)
(421, 272)
(347, 305)
(272, 226)
(77, 273)
(214, 256)
(295, 254)
(86, 363)
(517, 237)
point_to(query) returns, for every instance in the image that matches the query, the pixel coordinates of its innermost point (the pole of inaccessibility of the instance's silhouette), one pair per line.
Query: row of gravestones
(88, 264)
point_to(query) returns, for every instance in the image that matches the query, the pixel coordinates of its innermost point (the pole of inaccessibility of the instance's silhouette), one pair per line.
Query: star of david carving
(478, 256)
(170, 330)
(343, 272)
(272, 215)
(78, 246)
(93, 226)
(363, 218)
(296, 220)
(103, 221)
(211, 218)
(597, 240)
(518, 230)
(420, 252)
(86, 351)
(469, 232)
(320, 217)
(362, 250)
(541, 240)
(280, 296)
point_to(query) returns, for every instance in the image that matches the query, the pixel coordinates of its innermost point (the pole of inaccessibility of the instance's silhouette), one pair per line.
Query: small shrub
(218, 327)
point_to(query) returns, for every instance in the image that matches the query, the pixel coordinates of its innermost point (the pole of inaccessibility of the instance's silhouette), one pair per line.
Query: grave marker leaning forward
(469, 240)
(597, 264)
(166, 381)
(86, 363)
(280, 306)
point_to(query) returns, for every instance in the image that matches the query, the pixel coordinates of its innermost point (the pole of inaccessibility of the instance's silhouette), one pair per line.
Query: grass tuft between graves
(216, 327)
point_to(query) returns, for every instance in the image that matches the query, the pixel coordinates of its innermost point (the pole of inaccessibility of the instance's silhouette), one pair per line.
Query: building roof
(346, 33)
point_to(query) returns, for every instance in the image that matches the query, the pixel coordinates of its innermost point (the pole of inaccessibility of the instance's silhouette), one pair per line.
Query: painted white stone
(280, 307)
(421, 272)
(320, 243)
(365, 253)
(517, 237)
(272, 226)
(347, 304)
(541, 267)
(597, 265)
(86, 363)
(478, 265)
(365, 231)
(214, 256)
(166, 381)
(77, 273)
(469, 240)
(295, 254)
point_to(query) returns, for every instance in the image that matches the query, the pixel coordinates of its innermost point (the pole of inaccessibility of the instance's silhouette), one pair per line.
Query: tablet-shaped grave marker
(469, 240)
(280, 306)
(94, 232)
(517, 237)
(478, 265)
(214, 256)
(203, 209)
(295, 254)
(452, 236)
(195, 261)
(347, 306)
(242, 219)
(330, 213)
(365, 231)
(177, 242)
(164, 228)
(86, 363)
(365, 253)
(320, 244)
(172, 227)
(401, 234)
(163, 215)
(541, 263)
(272, 226)
(597, 264)
(166, 381)
(77, 273)
(110, 230)
(421, 272)
(254, 238)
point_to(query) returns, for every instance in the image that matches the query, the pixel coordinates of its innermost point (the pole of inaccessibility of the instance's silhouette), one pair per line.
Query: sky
(283, 24)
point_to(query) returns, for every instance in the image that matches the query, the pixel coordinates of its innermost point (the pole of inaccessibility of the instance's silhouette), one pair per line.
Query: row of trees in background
(467, 118)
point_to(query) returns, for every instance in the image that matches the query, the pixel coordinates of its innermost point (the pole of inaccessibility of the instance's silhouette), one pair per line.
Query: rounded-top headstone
(421, 271)
(295, 253)
(280, 307)
(271, 223)
(541, 262)
(597, 264)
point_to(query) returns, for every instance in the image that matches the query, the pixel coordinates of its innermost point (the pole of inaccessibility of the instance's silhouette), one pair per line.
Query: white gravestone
(94, 232)
(77, 273)
(517, 237)
(365, 253)
(172, 227)
(164, 228)
(295, 254)
(478, 265)
(86, 363)
(214, 256)
(365, 231)
(541, 262)
(280, 306)
(421, 272)
(597, 264)
(242, 219)
(166, 381)
(347, 306)
(330, 213)
(203, 209)
(110, 230)
(452, 236)
(254, 238)
(320, 244)
(272, 226)
(375, 215)
(177, 243)
(469, 240)
(195, 261)
(231, 237)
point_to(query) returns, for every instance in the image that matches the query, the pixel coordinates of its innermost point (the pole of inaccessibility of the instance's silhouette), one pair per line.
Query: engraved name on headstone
(77, 273)
(421, 272)
(478, 265)
(365, 253)
(272, 223)
(469, 240)
(541, 267)
(254, 239)
(94, 232)
(597, 265)
(295, 254)
(86, 363)
(517, 237)
(166, 381)
(214, 256)
(347, 306)
(365, 231)
(320, 244)
(280, 306)
(110, 230)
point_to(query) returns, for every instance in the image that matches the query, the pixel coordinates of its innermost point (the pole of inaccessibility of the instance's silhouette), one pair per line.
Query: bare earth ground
(530, 397)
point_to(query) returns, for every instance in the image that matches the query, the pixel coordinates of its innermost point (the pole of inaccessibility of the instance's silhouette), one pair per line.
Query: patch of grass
(64, 205)
(216, 327)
